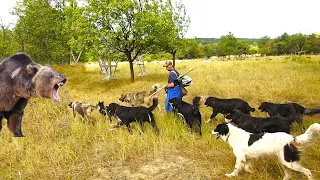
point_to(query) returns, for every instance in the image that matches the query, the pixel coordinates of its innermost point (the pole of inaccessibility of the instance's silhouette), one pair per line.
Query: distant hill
(205, 41)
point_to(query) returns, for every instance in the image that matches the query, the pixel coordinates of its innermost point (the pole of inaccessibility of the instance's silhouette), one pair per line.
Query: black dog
(260, 124)
(190, 112)
(103, 110)
(225, 106)
(127, 115)
(287, 110)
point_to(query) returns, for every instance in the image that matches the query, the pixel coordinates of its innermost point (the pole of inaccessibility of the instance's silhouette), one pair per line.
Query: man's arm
(170, 85)
(172, 78)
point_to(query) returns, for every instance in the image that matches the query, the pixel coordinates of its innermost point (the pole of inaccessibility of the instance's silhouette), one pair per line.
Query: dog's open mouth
(227, 120)
(55, 91)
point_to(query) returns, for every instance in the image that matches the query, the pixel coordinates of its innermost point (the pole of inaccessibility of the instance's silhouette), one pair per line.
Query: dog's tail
(308, 111)
(312, 132)
(155, 103)
(155, 87)
(196, 103)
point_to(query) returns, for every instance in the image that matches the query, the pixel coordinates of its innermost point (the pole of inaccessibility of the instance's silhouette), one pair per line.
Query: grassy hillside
(57, 146)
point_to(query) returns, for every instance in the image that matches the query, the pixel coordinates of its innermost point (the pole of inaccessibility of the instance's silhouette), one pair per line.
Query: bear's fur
(21, 79)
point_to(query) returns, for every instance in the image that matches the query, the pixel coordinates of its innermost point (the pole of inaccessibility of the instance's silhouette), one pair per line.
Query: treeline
(65, 31)
(229, 45)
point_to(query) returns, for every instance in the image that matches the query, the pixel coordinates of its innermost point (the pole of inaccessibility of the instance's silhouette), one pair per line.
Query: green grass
(57, 146)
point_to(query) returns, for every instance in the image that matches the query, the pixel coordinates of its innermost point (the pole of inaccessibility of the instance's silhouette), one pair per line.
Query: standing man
(173, 90)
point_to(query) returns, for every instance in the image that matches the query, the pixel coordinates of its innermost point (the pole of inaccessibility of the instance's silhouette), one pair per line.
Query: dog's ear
(225, 129)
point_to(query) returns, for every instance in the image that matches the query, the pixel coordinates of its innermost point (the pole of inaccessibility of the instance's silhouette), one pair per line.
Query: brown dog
(82, 108)
(136, 99)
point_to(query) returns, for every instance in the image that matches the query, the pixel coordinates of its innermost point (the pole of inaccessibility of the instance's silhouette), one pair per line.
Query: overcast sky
(252, 18)
(5, 7)
(244, 18)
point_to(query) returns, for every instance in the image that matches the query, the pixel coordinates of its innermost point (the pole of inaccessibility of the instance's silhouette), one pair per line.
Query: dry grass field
(57, 146)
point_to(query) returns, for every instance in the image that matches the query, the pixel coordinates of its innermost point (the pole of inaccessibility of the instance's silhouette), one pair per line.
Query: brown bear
(21, 79)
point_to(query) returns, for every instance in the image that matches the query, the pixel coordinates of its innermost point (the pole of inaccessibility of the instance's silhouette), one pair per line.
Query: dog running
(82, 108)
(286, 110)
(189, 112)
(225, 106)
(127, 115)
(260, 124)
(136, 99)
(103, 110)
(247, 145)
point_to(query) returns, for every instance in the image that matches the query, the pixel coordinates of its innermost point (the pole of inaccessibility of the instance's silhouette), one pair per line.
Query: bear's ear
(32, 69)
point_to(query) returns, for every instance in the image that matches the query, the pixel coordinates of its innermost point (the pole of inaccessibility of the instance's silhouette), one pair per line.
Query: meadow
(58, 146)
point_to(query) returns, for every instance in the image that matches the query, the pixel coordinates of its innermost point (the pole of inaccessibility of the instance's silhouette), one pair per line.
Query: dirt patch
(168, 167)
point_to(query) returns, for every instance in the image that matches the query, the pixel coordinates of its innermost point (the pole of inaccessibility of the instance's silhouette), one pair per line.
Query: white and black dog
(247, 145)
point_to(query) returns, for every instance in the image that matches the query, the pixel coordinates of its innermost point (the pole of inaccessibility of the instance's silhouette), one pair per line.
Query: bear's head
(45, 81)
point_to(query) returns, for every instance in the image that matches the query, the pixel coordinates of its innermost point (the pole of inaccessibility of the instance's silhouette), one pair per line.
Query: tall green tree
(174, 24)
(281, 44)
(314, 43)
(242, 47)
(298, 43)
(266, 45)
(193, 49)
(8, 42)
(130, 27)
(227, 45)
(210, 50)
(40, 30)
(76, 28)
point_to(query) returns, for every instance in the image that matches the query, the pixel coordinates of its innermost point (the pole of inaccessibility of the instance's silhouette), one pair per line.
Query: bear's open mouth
(55, 91)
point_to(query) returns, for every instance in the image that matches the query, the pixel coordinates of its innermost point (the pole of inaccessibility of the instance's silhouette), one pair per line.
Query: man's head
(168, 65)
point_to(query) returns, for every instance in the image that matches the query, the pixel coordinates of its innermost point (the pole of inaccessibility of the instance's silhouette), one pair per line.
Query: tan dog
(82, 108)
(136, 99)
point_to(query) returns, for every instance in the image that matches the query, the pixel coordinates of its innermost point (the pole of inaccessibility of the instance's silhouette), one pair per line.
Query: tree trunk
(174, 57)
(128, 54)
